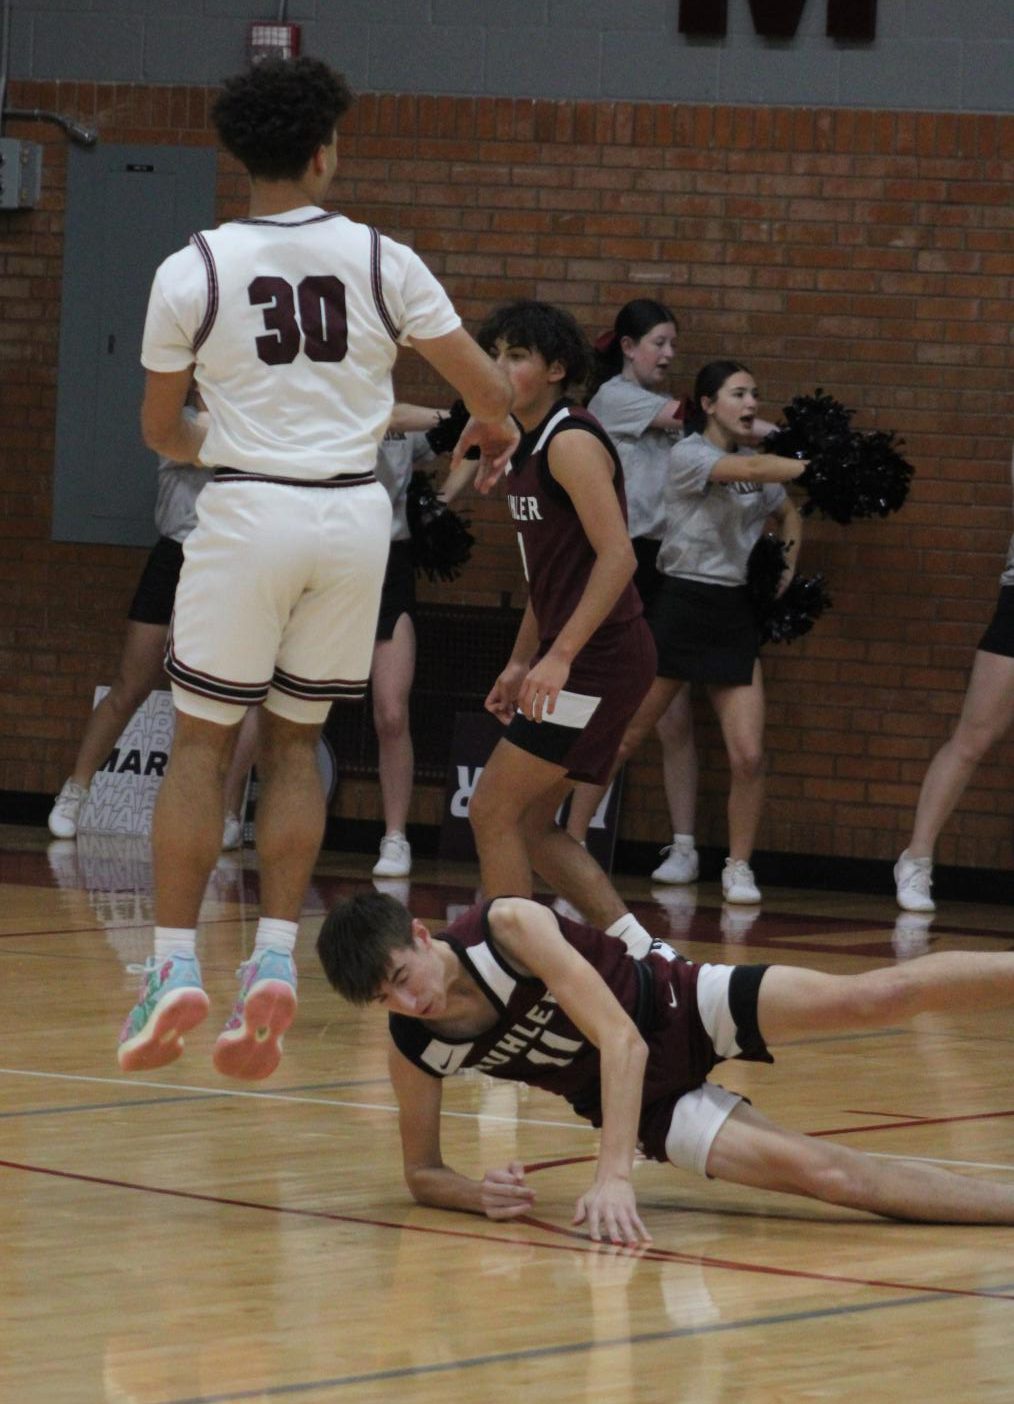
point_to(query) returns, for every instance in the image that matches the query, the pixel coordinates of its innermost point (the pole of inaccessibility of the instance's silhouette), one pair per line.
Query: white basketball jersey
(292, 325)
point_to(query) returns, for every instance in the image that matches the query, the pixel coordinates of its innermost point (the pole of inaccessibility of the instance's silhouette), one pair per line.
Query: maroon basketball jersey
(534, 1041)
(555, 552)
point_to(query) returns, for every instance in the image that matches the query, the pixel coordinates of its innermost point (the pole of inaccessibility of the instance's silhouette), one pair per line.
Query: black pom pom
(441, 540)
(444, 436)
(789, 616)
(850, 474)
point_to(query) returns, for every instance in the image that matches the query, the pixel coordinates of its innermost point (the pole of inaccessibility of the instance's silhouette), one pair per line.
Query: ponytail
(634, 319)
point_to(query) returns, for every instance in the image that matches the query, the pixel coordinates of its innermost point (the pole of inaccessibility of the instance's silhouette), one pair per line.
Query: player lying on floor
(514, 991)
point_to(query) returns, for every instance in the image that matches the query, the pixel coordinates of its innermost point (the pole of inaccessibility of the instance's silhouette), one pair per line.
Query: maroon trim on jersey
(342, 480)
(211, 312)
(377, 284)
(291, 223)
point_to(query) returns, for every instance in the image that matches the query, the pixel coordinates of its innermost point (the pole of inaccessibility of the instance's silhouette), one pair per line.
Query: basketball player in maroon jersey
(513, 991)
(584, 656)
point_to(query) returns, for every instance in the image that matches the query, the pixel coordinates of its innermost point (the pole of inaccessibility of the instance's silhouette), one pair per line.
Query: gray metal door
(128, 208)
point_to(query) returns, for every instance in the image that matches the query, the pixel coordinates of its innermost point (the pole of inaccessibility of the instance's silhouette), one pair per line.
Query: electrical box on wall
(273, 41)
(20, 174)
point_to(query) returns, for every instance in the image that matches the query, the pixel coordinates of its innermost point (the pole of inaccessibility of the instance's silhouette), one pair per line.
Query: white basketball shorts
(278, 598)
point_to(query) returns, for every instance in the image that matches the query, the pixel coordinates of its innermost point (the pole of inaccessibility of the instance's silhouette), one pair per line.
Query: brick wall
(867, 252)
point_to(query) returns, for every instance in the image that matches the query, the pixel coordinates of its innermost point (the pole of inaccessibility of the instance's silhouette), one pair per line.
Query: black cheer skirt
(705, 633)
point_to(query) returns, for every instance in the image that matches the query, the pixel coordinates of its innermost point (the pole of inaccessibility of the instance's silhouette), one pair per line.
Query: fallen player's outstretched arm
(529, 935)
(500, 1194)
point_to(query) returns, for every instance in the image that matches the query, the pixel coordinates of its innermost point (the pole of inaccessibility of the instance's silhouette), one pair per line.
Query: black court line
(208, 1096)
(102, 928)
(549, 1352)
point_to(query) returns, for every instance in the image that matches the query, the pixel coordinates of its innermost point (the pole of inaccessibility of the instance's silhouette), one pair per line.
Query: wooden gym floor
(175, 1239)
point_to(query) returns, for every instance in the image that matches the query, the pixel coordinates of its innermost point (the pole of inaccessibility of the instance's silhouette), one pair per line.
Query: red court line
(897, 1116)
(581, 1245)
(911, 1121)
(904, 1122)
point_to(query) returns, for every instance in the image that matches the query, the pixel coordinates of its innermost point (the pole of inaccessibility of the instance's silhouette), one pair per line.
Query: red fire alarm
(268, 40)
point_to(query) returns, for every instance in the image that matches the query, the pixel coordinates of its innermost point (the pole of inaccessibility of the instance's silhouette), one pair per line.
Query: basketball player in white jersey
(289, 322)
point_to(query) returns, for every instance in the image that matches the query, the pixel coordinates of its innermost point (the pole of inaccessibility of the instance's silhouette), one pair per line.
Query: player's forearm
(457, 480)
(180, 442)
(440, 1187)
(413, 419)
(489, 398)
(623, 1063)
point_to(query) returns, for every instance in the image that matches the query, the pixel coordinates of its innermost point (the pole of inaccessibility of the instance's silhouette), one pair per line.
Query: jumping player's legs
(277, 602)
(187, 825)
(242, 759)
(186, 840)
(324, 653)
(290, 826)
(290, 813)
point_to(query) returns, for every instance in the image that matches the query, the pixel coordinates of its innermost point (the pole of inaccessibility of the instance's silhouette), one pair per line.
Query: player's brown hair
(541, 327)
(275, 115)
(357, 940)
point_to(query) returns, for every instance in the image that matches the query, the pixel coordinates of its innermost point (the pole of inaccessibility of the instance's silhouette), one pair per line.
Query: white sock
(683, 841)
(631, 933)
(174, 940)
(276, 935)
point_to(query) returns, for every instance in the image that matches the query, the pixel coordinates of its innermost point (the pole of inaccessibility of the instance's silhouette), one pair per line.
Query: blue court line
(677, 1333)
(188, 1097)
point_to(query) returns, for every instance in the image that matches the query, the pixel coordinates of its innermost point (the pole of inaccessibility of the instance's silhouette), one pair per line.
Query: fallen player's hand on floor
(505, 1194)
(609, 1209)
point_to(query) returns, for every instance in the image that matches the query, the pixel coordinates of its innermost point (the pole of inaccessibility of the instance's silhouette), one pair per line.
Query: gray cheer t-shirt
(711, 528)
(625, 410)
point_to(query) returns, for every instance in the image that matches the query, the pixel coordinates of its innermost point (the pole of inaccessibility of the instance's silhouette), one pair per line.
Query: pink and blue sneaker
(171, 1003)
(250, 1045)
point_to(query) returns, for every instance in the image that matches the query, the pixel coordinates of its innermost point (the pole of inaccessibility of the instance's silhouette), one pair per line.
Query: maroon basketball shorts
(607, 683)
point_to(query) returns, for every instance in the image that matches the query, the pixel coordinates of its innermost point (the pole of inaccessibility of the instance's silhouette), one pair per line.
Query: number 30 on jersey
(310, 317)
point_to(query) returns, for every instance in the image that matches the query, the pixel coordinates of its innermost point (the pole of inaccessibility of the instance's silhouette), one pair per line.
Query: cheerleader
(719, 494)
(631, 402)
